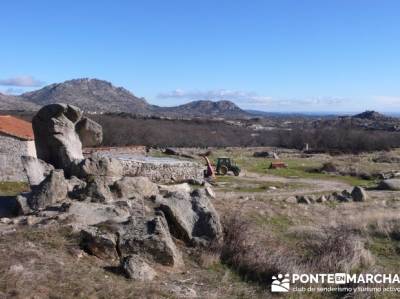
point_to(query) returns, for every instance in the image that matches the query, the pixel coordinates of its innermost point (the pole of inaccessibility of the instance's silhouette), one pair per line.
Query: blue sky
(298, 55)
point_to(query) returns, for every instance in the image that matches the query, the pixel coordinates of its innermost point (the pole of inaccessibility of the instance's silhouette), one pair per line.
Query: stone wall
(164, 172)
(111, 150)
(159, 170)
(11, 150)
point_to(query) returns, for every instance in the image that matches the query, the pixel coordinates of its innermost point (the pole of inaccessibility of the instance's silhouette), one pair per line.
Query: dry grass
(258, 257)
(38, 263)
(367, 242)
(48, 263)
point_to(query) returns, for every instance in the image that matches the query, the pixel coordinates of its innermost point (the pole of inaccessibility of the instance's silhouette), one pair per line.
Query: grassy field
(297, 167)
(12, 188)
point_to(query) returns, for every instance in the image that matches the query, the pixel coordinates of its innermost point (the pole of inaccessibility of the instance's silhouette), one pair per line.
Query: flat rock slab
(159, 170)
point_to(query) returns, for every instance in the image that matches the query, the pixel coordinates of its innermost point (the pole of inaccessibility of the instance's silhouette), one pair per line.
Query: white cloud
(21, 81)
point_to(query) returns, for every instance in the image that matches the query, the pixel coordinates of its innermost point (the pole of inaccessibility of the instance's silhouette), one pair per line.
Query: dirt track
(306, 186)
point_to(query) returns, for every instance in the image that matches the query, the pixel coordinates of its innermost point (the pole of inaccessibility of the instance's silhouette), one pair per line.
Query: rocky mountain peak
(371, 115)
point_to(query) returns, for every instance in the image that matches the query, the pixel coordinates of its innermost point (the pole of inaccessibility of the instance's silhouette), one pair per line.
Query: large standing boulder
(56, 139)
(90, 132)
(56, 134)
(191, 217)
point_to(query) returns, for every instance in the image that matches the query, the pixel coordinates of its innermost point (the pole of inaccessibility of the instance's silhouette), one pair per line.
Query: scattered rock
(266, 154)
(97, 190)
(322, 198)
(359, 194)
(390, 184)
(291, 199)
(303, 199)
(100, 243)
(5, 220)
(181, 291)
(342, 197)
(136, 268)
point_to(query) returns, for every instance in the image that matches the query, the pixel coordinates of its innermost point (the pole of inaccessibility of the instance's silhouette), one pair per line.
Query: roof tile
(16, 127)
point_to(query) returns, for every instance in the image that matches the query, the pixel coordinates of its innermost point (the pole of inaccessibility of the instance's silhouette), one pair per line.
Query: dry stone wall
(162, 170)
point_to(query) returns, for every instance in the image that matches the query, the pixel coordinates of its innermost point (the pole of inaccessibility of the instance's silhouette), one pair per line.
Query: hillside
(91, 95)
(9, 102)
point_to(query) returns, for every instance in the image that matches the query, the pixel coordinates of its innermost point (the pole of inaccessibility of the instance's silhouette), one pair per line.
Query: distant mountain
(10, 102)
(98, 96)
(367, 120)
(91, 95)
(205, 109)
(371, 115)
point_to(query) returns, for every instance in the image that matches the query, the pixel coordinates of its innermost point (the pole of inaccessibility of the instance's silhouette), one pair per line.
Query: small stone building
(16, 140)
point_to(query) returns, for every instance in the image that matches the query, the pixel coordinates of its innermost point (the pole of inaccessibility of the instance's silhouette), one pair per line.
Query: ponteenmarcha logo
(280, 283)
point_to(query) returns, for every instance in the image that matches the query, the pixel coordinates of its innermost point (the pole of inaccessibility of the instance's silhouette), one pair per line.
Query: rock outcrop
(119, 215)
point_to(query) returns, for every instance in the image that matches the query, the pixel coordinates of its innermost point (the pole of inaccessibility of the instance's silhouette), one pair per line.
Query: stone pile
(357, 194)
(127, 219)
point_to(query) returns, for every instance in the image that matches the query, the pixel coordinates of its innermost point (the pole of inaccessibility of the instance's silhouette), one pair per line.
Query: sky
(271, 55)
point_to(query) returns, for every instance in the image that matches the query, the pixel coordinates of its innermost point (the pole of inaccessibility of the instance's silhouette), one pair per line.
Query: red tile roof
(16, 127)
